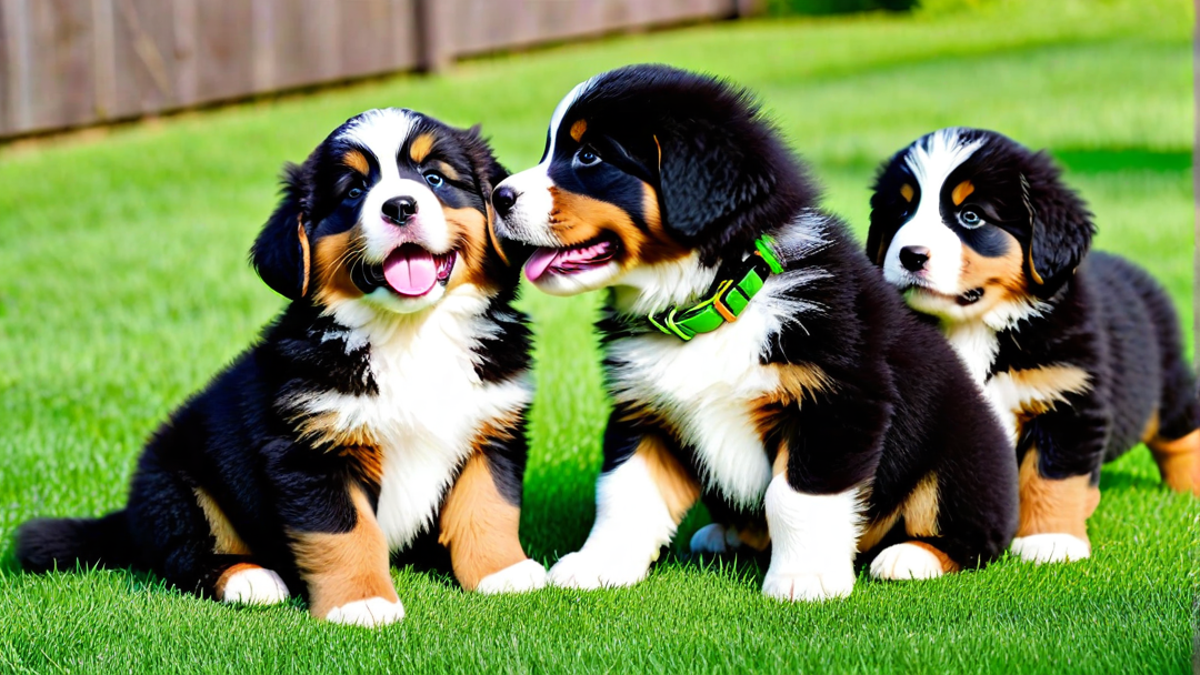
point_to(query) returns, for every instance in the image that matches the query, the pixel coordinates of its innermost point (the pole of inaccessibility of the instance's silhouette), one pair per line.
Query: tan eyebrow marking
(578, 129)
(961, 192)
(446, 170)
(357, 161)
(420, 147)
(907, 192)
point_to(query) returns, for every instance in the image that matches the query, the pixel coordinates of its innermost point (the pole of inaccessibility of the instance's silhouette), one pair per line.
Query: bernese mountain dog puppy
(1081, 355)
(754, 356)
(387, 401)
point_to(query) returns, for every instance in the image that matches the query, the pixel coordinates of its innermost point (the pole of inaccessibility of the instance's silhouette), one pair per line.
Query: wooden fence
(66, 63)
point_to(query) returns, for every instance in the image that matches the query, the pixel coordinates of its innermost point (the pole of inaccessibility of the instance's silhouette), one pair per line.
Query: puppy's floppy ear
(1060, 227)
(489, 173)
(722, 167)
(281, 254)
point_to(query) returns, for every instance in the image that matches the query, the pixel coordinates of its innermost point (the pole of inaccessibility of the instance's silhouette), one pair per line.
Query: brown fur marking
(305, 253)
(907, 192)
(469, 231)
(345, 567)
(479, 525)
(419, 149)
(333, 257)
(1052, 506)
(223, 580)
(226, 539)
(961, 192)
(921, 508)
(1048, 385)
(797, 382)
(1178, 461)
(948, 564)
(578, 129)
(577, 219)
(677, 486)
(875, 531)
(357, 161)
(1001, 277)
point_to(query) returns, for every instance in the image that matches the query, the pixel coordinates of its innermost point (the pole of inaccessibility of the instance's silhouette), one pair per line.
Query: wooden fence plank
(70, 62)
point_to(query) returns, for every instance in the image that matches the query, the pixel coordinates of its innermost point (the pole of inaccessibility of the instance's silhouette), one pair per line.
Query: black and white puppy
(808, 408)
(1081, 355)
(386, 401)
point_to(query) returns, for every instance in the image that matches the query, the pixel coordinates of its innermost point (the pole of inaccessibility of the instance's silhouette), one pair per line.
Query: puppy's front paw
(588, 570)
(369, 613)
(527, 575)
(1045, 548)
(906, 561)
(715, 539)
(251, 585)
(808, 586)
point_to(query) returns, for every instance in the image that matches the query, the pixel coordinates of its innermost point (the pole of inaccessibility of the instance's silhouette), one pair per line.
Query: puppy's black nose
(398, 210)
(503, 199)
(914, 257)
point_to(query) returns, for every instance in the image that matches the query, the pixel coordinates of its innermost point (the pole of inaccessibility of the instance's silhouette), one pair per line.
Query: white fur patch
(254, 586)
(715, 539)
(534, 202)
(976, 345)
(905, 561)
(369, 613)
(705, 388)
(932, 160)
(430, 403)
(814, 539)
(632, 524)
(1051, 548)
(527, 575)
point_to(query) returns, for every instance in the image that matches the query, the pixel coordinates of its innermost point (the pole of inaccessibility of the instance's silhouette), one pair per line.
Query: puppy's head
(971, 224)
(644, 165)
(390, 212)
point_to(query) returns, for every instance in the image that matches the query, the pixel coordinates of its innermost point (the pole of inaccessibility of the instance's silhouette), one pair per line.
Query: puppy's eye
(435, 179)
(354, 193)
(970, 219)
(587, 156)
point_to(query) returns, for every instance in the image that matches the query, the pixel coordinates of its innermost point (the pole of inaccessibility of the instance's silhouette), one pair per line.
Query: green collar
(729, 297)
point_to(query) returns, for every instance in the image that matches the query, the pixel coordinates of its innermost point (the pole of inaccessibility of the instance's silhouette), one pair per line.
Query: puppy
(1081, 355)
(755, 358)
(387, 400)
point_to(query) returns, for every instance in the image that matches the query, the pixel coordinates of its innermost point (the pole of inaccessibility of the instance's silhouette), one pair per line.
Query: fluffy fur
(818, 419)
(1080, 354)
(387, 401)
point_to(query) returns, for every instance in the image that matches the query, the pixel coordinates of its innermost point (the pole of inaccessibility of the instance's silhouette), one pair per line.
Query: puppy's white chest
(429, 407)
(705, 389)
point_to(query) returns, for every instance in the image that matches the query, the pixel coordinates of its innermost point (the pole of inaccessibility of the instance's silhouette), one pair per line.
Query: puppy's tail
(46, 544)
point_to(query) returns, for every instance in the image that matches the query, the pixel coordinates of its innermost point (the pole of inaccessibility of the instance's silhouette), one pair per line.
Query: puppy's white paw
(252, 585)
(527, 575)
(369, 613)
(809, 586)
(1044, 548)
(589, 570)
(715, 539)
(906, 561)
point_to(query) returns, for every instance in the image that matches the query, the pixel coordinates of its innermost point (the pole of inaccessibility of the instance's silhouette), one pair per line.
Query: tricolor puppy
(1081, 355)
(755, 358)
(386, 401)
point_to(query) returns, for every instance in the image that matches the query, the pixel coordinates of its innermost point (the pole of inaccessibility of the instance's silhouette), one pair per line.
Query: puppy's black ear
(281, 253)
(489, 173)
(724, 173)
(1060, 227)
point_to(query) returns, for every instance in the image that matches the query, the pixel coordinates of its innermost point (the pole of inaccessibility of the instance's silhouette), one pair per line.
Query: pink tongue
(539, 262)
(410, 270)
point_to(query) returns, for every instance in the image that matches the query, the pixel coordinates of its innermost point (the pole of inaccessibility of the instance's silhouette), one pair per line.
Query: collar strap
(728, 299)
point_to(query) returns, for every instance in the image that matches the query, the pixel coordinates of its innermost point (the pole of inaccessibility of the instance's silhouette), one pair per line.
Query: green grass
(125, 287)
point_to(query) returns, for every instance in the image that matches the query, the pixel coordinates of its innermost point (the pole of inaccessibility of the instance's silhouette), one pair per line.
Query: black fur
(240, 438)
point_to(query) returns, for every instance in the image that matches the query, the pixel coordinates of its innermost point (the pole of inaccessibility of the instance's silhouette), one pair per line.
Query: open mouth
(572, 259)
(410, 271)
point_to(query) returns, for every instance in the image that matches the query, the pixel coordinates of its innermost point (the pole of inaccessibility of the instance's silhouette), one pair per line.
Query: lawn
(125, 287)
